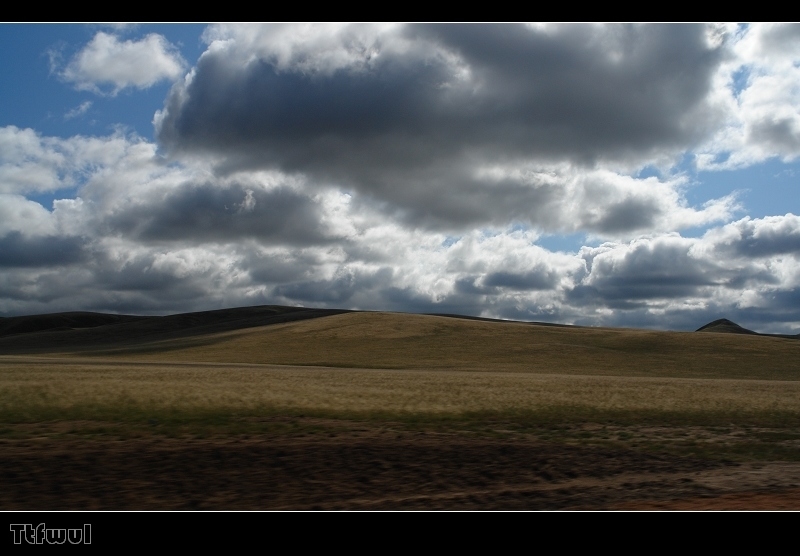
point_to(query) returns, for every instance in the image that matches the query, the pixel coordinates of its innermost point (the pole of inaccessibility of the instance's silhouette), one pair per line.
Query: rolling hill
(353, 339)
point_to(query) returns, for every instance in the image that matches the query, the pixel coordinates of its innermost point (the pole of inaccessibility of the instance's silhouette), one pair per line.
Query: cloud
(144, 237)
(106, 62)
(79, 110)
(414, 120)
(538, 279)
(19, 251)
(416, 168)
(30, 162)
(211, 212)
(153, 236)
(335, 291)
(653, 269)
(758, 86)
(759, 238)
(576, 91)
(18, 214)
(730, 269)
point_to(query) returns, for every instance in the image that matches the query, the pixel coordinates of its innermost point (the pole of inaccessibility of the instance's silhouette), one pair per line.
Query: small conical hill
(724, 325)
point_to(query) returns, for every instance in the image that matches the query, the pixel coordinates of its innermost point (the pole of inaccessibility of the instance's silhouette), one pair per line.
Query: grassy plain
(716, 399)
(402, 341)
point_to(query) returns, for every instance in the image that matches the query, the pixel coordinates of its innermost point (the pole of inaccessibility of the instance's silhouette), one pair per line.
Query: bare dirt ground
(365, 466)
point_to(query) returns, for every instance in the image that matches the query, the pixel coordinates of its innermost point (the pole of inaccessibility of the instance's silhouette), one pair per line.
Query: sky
(627, 175)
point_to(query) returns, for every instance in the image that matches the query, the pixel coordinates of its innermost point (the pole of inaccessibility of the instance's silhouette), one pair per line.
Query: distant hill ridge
(730, 327)
(724, 325)
(86, 330)
(59, 321)
(32, 333)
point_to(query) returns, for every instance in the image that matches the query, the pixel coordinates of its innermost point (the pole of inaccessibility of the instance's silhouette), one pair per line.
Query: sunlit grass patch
(103, 391)
(401, 341)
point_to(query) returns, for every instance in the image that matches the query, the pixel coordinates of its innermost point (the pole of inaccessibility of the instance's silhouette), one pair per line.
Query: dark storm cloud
(409, 300)
(538, 279)
(587, 90)
(17, 250)
(747, 277)
(679, 283)
(777, 134)
(774, 235)
(656, 270)
(778, 38)
(137, 275)
(411, 127)
(630, 214)
(783, 306)
(276, 268)
(439, 202)
(141, 285)
(532, 92)
(612, 297)
(211, 213)
(337, 290)
(299, 122)
(31, 288)
(467, 285)
(436, 203)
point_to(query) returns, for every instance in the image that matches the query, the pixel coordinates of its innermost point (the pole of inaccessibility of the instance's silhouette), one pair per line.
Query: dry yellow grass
(29, 388)
(402, 341)
(397, 363)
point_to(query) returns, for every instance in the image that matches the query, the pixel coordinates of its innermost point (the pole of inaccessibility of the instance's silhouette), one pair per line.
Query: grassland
(397, 341)
(81, 389)
(685, 409)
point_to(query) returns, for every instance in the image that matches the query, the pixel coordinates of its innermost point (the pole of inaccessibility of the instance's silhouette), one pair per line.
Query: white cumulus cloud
(109, 62)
